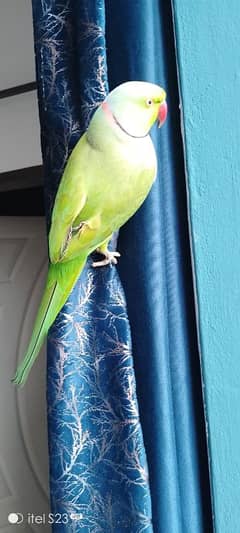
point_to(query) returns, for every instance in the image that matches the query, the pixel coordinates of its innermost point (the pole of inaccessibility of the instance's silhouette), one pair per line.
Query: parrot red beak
(162, 114)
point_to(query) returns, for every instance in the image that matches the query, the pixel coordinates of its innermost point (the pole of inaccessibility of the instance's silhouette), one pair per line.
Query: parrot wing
(69, 202)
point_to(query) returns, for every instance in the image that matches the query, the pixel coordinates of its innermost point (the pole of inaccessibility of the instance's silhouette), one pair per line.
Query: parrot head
(135, 106)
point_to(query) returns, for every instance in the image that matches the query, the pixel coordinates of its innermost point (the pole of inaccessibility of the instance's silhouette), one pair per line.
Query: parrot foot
(110, 259)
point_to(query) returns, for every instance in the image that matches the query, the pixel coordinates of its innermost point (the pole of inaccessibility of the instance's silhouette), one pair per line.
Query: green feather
(60, 281)
(106, 179)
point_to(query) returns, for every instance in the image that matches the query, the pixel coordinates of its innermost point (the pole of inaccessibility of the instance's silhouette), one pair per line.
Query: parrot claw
(110, 259)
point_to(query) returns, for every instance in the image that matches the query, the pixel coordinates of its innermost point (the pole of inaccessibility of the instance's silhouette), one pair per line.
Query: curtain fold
(156, 273)
(98, 466)
(98, 470)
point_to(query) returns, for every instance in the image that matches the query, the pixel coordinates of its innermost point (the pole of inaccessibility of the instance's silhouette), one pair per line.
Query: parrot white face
(135, 106)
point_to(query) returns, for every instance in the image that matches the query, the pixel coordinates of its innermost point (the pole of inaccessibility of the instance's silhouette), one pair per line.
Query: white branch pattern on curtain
(98, 467)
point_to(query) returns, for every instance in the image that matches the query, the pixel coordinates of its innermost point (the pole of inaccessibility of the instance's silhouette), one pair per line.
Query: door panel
(23, 428)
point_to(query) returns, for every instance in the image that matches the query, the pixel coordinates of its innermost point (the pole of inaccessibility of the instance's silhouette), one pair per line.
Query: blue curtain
(156, 273)
(97, 447)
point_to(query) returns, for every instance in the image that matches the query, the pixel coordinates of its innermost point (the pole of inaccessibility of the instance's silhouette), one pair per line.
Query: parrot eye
(149, 102)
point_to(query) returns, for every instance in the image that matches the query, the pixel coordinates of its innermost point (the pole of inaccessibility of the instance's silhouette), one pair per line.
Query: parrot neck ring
(114, 119)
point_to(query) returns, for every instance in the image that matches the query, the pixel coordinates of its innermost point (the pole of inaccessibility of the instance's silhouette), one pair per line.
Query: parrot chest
(124, 181)
(116, 182)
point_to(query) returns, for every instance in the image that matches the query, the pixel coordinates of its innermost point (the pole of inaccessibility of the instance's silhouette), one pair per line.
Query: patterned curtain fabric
(98, 466)
(98, 470)
(155, 270)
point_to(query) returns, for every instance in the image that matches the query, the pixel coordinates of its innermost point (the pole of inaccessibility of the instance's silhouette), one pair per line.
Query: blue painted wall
(208, 48)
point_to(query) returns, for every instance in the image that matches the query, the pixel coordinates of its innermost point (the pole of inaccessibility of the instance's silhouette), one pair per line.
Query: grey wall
(19, 125)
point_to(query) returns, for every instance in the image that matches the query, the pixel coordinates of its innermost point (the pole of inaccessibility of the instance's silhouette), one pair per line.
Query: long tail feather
(60, 281)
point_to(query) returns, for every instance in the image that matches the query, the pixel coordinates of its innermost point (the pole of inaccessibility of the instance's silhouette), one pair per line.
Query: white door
(23, 433)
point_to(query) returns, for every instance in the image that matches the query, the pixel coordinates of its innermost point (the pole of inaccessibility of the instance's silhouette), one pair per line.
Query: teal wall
(208, 48)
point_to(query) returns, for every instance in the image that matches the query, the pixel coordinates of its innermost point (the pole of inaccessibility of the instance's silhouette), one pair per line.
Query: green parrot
(107, 177)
